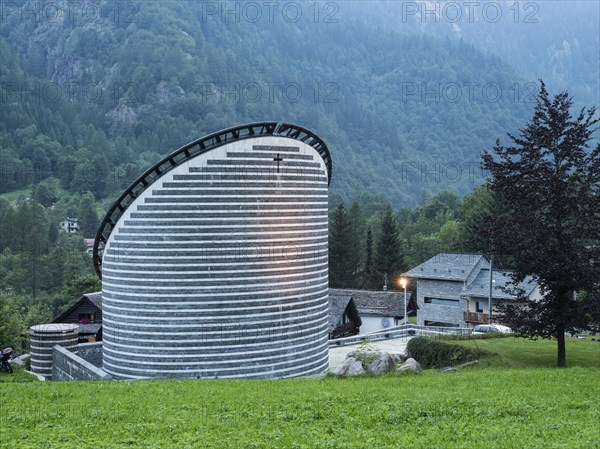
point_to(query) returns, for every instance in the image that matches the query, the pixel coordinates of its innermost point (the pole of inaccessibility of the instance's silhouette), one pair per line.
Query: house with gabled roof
(453, 289)
(344, 319)
(378, 309)
(87, 312)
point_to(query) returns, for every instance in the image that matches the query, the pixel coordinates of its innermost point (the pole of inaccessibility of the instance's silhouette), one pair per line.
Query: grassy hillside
(493, 407)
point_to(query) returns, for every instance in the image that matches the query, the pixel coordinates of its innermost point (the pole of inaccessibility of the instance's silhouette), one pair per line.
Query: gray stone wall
(91, 352)
(436, 312)
(68, 366)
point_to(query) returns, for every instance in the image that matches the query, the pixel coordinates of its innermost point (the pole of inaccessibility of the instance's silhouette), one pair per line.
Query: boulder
(410, 365)
(399, 358)
(350, 367)
(382, 363)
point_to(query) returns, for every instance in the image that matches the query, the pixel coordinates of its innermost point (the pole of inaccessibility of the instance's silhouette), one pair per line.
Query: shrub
(431, 353)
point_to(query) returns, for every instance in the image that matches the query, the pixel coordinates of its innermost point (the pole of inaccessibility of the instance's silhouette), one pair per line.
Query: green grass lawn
(525, 405)
(18, 375)
(524, 353)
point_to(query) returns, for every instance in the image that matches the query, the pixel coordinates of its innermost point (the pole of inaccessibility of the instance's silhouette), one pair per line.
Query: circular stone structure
(215, 260)
(43, 337)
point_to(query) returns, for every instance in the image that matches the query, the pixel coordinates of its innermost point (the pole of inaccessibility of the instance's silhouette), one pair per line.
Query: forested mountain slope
(95, 96)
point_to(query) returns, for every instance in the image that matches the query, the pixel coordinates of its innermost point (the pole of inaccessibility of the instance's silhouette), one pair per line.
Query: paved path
(393, 346)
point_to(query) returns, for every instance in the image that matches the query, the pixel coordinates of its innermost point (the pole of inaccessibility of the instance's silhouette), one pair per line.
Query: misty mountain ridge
(406, 111)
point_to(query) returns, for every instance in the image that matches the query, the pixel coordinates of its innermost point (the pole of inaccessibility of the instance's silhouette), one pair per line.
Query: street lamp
(403, 283)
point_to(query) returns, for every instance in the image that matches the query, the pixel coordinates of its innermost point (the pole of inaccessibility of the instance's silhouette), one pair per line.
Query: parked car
(491, 328)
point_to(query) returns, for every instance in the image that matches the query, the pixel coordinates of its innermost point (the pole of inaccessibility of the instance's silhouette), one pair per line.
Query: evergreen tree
(388, 258)
(368, 271)
(550, 179)
(340, 242)
(88, 217)
(357, 225)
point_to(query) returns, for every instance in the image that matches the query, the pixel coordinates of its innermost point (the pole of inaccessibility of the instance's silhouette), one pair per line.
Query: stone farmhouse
(453, 290)
(378, 310)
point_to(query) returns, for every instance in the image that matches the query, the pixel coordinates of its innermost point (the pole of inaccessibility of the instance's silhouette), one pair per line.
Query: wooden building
(344, 320)
(87, 312)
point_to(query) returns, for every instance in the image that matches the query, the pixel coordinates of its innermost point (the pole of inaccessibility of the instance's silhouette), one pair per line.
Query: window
(442, 301)
(440, 324)
(87, 317)
(479, 306)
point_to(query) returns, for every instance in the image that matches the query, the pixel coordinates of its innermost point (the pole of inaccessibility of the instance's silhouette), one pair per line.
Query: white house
(70, 225)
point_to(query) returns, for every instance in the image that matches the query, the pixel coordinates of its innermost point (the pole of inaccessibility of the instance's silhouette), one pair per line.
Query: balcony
(476, 317)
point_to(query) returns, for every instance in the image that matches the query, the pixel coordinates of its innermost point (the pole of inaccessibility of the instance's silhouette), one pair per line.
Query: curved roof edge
(191, 150)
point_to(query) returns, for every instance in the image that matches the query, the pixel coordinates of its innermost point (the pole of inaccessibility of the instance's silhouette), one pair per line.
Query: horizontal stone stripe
(190, 269)
(276, 177)
(242, 193)
(247, 215)
(237, 275)
(284, 165)
(240, 290)
(266, 171)
(218, 335)
(222, 228)
(266, 354)
(276, 148)
(223, 258)
(316, 367)
(202, 278)
(222, 264)
(217, 341)
(225, 228)
(167, 296)
(184, 300)
(315, 242)
(193, 309)
(246, 221)
(125, 326)
(204, 184)
(275, 199)
(203, 311)
(292, 237)
(132, 324)
(258, 207)
(223, 281)
(236, 154)
(213, 261)
(222, 367)
(222, 364)
(285, 162)
(41, 347)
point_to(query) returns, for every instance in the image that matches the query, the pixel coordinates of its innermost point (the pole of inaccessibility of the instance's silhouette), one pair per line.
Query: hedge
(431, 353)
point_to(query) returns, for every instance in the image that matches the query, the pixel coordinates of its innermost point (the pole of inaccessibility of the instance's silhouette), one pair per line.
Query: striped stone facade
(219, 268)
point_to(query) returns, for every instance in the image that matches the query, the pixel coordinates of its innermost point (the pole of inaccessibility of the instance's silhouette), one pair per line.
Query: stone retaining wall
(91, 352)
(68, 366)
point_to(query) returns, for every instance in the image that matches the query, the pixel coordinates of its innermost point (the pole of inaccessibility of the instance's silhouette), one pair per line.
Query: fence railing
(404, 330)
(476, 317)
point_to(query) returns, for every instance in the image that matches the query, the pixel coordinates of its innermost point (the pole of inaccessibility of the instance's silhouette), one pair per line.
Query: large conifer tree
(549, 178)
